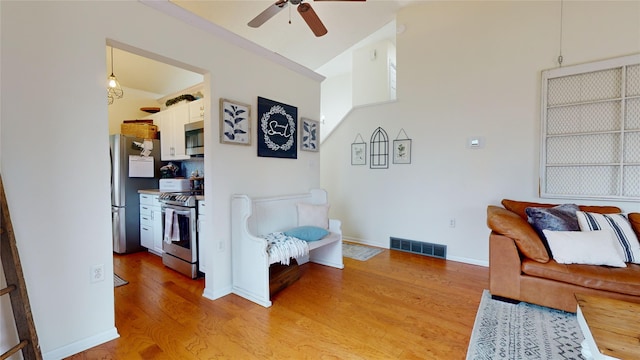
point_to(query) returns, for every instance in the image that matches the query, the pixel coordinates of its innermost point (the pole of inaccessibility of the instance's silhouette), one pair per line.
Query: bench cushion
(313, 215)
(307, 233)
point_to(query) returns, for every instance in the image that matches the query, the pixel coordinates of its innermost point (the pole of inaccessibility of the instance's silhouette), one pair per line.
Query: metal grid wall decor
(591, 130)
(379, 149)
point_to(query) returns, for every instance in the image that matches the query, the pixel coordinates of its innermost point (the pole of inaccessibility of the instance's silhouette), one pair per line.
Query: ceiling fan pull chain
(289, 15)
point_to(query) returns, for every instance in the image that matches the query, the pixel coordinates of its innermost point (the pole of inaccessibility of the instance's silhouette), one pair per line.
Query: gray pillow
(558, 218)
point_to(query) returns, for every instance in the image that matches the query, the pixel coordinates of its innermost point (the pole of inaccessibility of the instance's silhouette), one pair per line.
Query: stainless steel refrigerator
(130, 172)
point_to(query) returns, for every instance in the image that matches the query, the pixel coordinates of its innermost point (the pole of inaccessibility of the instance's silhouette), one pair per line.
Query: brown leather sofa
(520, 268)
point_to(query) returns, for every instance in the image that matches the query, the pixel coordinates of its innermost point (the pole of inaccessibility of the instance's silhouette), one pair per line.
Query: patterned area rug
(359, 252)
(523, 331)
(118, 281)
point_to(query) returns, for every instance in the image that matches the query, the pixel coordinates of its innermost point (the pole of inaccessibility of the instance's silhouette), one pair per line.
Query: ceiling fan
(305, 10)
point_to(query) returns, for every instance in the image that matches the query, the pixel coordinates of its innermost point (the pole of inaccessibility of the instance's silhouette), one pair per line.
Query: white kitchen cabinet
(151, 223)
(203, 239)
(156, 219)
(196, 110)
(146, 227)
(171, 124)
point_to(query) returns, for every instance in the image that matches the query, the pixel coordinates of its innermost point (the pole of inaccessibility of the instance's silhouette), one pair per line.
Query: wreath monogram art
(277, 130)
(272, 128)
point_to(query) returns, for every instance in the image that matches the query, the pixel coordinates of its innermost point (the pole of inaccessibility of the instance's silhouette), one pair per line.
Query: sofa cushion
(634, 219)
(507, 223)
(620, 280)
(598, 247)
(558, 218)
(619, 226)
(519, 207)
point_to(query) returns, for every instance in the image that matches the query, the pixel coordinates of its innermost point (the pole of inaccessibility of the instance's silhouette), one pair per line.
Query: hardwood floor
(394, 306)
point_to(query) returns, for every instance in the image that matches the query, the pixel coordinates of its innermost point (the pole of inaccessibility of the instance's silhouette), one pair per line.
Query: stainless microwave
(194, 138)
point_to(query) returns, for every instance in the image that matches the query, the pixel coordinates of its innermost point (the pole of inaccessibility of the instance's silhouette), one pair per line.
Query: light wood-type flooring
(394, 306)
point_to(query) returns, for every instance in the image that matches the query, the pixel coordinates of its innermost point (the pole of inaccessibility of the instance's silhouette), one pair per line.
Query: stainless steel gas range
(180, 232)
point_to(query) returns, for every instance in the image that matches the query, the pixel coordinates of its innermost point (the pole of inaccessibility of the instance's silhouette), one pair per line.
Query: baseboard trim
(465, 260)
(469, 261)
(81, 345)
(216, 294)
(364, 242)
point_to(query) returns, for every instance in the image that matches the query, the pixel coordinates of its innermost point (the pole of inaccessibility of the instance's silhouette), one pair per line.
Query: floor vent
(419, 247)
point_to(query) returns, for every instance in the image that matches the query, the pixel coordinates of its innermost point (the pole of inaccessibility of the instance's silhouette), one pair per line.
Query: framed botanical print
(402, 151)
(359, 153)
(309, 135)
(277, 126)
(235, 122)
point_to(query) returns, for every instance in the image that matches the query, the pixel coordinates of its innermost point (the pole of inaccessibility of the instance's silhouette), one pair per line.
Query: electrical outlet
(221, 246)
(452, 222)
(97, 273)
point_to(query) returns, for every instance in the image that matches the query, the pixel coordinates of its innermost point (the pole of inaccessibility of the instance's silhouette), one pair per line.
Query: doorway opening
(159, 94)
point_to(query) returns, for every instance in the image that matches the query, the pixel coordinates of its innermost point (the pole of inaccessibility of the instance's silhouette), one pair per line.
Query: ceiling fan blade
(312, 19)
(268, 13)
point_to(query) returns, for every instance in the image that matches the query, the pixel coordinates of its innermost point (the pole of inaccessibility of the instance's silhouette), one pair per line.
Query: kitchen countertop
(150, 191)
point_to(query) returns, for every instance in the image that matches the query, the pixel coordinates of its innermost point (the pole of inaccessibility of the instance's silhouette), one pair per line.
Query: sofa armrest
(504, 266)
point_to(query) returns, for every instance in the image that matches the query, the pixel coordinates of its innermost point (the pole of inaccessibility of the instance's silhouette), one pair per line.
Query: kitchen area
(156, 123)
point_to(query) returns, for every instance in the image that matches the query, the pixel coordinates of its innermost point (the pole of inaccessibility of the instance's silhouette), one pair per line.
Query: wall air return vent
(419, 247)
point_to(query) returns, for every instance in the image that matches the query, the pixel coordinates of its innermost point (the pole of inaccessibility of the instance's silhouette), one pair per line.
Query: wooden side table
(611, 327)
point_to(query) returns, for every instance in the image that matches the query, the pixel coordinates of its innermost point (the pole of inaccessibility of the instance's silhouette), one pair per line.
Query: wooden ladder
(16, 288)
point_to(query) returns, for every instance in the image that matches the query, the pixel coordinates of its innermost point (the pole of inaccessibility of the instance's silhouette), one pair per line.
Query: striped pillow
(620, 226)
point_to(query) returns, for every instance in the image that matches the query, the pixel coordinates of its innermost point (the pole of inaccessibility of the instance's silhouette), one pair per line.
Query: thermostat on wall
(475, 142)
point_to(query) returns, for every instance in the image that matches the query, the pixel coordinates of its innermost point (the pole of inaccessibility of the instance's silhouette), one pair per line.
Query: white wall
(371, 72)
(465, 69)
(336, 102)
(55, 130)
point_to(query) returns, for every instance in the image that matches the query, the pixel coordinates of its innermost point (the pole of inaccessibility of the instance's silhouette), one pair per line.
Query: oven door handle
(179, 212)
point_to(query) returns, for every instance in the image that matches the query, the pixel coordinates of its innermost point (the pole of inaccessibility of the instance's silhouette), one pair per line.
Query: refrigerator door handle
(119, 231)
(115, 229)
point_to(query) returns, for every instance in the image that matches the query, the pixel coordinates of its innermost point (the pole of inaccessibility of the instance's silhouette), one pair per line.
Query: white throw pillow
(313, 215)
(598, 247)
(620, 227)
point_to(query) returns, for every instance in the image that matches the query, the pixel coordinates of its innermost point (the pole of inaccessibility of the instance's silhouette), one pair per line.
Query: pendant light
(114, 90)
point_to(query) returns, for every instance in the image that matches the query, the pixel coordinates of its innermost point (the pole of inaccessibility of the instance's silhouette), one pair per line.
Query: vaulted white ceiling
(350, 24)
(347, 22)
